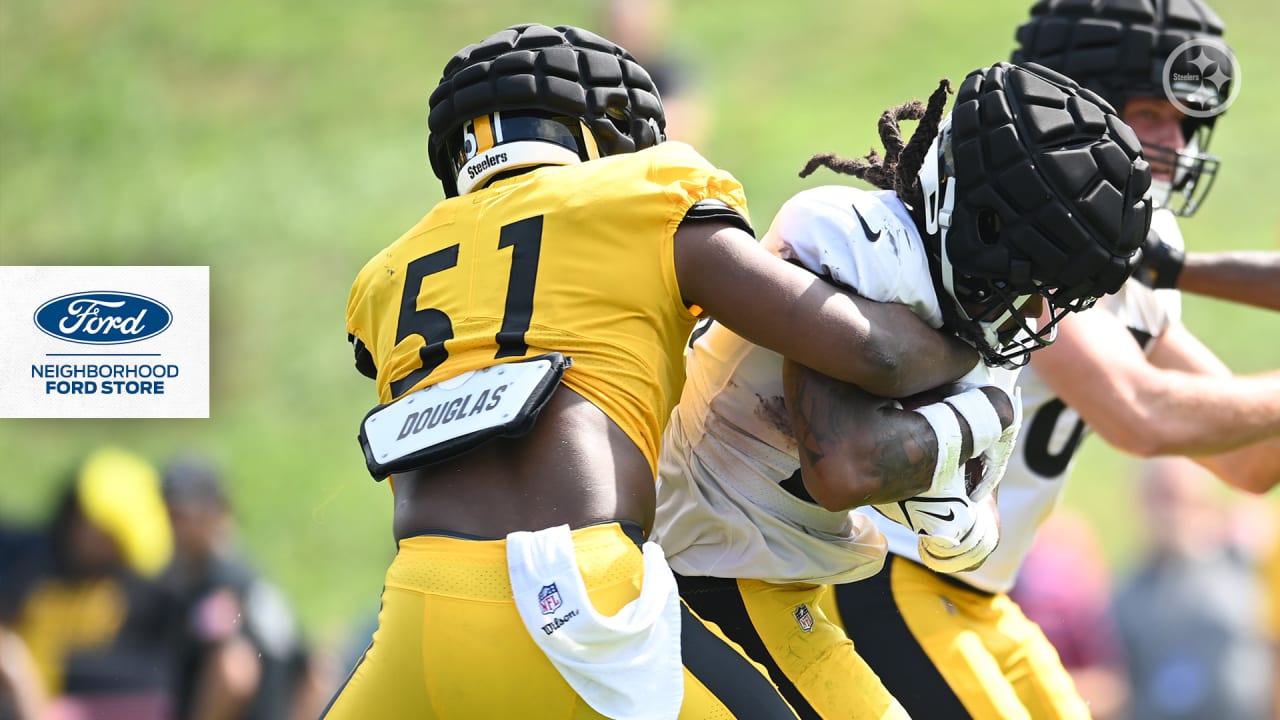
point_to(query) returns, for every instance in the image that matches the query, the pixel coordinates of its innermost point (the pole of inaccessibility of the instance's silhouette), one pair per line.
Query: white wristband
(946, 427)
(984, 422)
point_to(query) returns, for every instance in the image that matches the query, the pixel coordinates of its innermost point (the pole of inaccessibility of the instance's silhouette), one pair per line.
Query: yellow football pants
(450, 643)
(949, 651)
(785, 629)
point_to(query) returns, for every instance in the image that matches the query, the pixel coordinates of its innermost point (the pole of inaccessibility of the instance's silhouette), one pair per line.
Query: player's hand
(992, 418)
(950, 555)
(1161, 263)
(930, 514)
(954, 532)
(995, 458)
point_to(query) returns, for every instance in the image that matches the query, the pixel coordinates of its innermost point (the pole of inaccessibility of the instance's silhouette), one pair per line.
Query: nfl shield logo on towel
(549, 599)
(803, 617)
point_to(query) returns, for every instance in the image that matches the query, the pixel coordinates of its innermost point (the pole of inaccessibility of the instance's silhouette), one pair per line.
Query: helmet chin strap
(991, 329)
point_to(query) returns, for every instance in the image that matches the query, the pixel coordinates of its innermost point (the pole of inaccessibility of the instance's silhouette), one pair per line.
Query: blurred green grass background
(283, 144)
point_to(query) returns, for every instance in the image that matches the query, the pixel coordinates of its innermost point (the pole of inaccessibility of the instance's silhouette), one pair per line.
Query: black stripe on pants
(879, 633)
(719, 601)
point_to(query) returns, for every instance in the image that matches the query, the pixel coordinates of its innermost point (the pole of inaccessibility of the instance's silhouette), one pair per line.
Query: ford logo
(103, 318)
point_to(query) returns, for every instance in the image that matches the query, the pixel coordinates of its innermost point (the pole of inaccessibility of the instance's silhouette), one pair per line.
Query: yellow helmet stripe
(589, 141)
(484, 133)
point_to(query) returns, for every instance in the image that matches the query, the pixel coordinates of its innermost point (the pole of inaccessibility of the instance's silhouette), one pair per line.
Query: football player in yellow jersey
(526, 338)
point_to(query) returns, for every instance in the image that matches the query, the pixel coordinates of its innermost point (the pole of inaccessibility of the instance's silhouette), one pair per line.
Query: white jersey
(721, 511)
(1051, 432)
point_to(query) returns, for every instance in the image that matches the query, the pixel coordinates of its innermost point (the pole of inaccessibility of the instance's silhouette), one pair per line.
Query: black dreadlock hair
(896, 170)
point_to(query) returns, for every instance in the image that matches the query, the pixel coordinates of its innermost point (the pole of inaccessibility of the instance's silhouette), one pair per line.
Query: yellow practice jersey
(575, 259)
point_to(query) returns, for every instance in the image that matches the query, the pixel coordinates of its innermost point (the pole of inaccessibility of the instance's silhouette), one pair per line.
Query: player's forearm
(1254, 468)
(891, 469)
(784, 308)
(1249, 277)
(915, 357)
(1178, 413)
(855, 448)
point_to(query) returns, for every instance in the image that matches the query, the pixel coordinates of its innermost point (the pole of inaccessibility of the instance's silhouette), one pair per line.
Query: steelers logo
(1201, 77)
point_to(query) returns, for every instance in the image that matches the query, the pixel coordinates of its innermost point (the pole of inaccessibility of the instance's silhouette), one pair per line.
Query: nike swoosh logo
(872, 236)
(951, 515)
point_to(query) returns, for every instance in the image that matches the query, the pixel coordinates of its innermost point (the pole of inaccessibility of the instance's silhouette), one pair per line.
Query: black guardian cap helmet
(536, 95)
(1033, 186)
(1119, 49)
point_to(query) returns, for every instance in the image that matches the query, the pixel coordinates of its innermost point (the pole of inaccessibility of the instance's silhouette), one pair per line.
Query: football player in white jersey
(1024, 204)
(955, 646)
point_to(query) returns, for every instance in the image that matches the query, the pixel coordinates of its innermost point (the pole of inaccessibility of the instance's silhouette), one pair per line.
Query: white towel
(625, 666)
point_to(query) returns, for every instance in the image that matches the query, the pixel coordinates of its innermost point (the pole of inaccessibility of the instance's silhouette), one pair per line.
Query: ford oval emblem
(103, 318)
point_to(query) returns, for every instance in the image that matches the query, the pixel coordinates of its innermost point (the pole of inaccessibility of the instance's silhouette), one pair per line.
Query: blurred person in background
(21, 694)
(570, 228)
(1190, 611)
(1127, 368)
(1271, 608)
(644, 29)
(240, 655)
(1064, 586)
(764, 459)
(81, 595)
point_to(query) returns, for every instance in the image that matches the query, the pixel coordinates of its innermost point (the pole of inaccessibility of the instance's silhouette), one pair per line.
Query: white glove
(991, 443)
(957, 528)
(948, 555)
(954, 533)
(941, 516)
